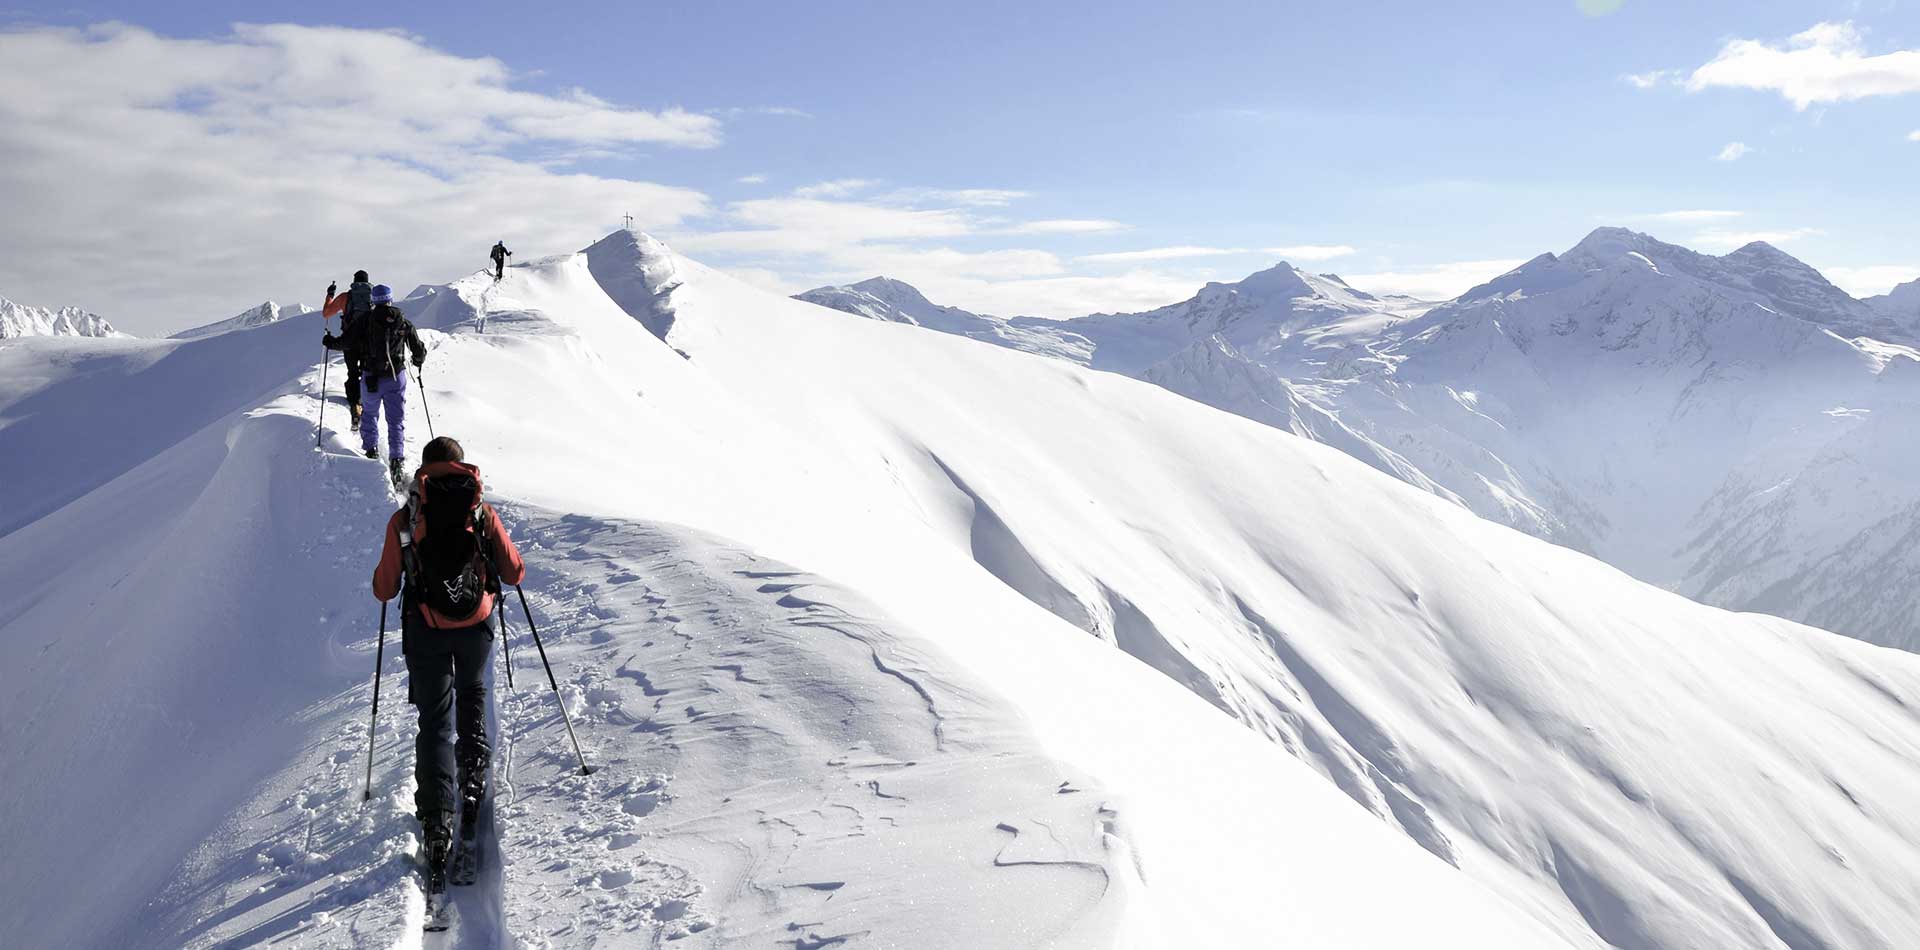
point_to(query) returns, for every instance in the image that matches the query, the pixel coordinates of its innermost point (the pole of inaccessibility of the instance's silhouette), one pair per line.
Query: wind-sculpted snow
(887, 746)
(958, 646)
(1629, 398)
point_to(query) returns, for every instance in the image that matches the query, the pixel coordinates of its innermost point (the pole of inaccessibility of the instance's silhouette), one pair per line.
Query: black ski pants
(447, 683)
(353, 379)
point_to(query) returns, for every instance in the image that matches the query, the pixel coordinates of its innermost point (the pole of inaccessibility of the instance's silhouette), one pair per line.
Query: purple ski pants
(391, 393)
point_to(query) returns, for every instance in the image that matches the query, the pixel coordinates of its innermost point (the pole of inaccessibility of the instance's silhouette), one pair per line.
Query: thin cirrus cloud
(1733, 152)
(1914, 136)
(276, 157)
(1689, 216)
(1304, 252)
(1719, 239)
(1827, 62)
(1068, 226)
(1872, 279)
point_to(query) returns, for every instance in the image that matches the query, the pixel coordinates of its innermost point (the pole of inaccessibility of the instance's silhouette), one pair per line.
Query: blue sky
(1013, 157)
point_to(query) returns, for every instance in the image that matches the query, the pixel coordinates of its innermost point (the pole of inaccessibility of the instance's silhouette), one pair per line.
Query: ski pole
(506, 650)
(422, 383)
(379, 660)
(319, 420)
(585, 769)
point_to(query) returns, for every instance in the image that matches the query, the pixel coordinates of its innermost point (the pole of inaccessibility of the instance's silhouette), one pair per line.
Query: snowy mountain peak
(1901, 302)
(19, 320)
(266, 313)
(896, 292)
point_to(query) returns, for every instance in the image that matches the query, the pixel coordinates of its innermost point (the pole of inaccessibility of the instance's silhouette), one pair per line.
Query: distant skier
(447, 553)
(383, 340)
(500, 255)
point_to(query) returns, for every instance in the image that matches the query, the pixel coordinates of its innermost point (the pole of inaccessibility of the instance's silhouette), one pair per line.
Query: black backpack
(449, 564)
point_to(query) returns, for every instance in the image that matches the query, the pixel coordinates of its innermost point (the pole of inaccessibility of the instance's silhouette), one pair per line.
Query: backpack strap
(409, 553)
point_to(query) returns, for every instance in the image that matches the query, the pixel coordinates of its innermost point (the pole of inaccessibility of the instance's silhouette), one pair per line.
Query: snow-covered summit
(19, 320)
(1757, 272)
(265, 313)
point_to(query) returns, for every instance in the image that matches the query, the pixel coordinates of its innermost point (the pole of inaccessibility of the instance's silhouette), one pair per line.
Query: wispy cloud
(1733, 152)
(735, 112)
(1686, 216)
(1310, 252)
(752, 179)
(1068, 226)
(1717, 239)
(1827, 62)
(837, 188)
(1914, 136)
(1871, 280)
(1433, 281)
(1159, 254)
(967, 197)
(1299, 252)
(1652, 78)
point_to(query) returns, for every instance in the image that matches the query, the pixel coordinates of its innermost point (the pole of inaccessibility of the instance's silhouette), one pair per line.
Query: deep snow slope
(19, 320)
(886, 747)
(1720, 426)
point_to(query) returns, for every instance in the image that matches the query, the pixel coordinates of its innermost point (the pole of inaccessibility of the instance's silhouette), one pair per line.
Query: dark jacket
(382, 340)
(500, 253)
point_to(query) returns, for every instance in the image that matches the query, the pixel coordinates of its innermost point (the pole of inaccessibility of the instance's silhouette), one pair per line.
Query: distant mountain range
(18, 320)
(1735, 428)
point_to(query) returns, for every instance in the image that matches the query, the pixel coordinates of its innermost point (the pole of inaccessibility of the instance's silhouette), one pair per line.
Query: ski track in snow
(674, 655)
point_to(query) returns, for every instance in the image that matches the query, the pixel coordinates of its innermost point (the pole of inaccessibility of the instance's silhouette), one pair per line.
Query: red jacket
(386, 576)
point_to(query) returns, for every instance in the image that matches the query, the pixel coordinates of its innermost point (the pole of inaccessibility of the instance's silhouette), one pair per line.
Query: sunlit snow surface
(886, 638)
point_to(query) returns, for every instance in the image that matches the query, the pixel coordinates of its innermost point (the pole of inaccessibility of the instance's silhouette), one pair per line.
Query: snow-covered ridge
(265, 313)
(18, 320)
(885, 636)
(1629, 398)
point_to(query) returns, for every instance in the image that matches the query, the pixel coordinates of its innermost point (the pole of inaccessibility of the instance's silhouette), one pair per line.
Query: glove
(329, 340)
(419, 361)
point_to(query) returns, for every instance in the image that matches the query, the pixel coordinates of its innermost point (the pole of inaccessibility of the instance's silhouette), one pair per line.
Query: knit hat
(382, 293)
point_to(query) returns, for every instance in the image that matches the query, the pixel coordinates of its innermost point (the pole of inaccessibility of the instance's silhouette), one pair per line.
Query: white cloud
(1914, 136)
(1068, 226)
(1310, 252)
(1435, 281)
(967, 197)
(1825, 63)
(736, 112)
(1688, 216)
(752, 179)
(266, 161)
(1159, 254)
(1299, 252)
(1653, 78)
(1733, 152)
(1871, 280)
(838, 188)
(1728, 240)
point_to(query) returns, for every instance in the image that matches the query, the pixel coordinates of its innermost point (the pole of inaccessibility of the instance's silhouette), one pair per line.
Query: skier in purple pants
(385, 339)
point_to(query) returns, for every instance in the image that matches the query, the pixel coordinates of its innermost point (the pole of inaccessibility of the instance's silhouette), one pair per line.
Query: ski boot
(373, 453)
(438, 844)
(397, 468)
(473, 797)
